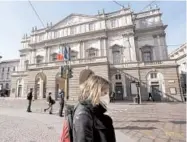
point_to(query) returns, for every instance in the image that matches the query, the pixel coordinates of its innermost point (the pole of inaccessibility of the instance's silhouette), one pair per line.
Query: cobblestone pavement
(16, 125)
(149, 122)
(152, 122)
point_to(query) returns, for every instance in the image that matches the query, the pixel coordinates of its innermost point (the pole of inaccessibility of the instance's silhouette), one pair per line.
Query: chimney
(32, 29)
(47, 25)
(35, 28)
(51, 24)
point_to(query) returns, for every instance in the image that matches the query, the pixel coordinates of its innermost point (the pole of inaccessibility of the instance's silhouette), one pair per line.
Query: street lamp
(138, 90)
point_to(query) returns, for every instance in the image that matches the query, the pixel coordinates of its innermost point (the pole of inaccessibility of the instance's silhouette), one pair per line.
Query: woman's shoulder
(82, 110)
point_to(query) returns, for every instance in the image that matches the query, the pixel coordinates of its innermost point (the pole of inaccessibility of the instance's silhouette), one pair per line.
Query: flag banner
(60, 56)
(67, 53)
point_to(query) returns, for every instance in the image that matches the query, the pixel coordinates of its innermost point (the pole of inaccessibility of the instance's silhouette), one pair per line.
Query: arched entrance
(40, 86)
(59, 84)
(156, 85)
(20, 84)
(119, 86)
(84, 75)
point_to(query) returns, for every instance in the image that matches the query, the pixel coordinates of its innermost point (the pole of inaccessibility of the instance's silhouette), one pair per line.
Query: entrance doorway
(19, 90)
(40, 86)
(119, 91)
(155, 92)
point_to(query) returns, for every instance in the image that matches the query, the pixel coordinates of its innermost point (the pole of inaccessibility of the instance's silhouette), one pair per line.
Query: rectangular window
(113, 23)
(153, 75)
(14, 68)
(72, 30)
(91, 27)
(147, 56)
(2, 75)
(8, 69)
(7, 76)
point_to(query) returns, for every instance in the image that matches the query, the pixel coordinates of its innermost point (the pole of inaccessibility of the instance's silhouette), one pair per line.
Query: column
(159, 48)
(105, 51)
(163, 46)
(126, 44)
(83, 50)
(41, 88)
(101, 47)
(46, 54)
(80, 50)
(132, 47)
(155, 48)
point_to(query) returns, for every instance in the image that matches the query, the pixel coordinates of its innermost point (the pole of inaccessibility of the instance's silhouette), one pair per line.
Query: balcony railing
(19, 73)
(74, 62)
(144, 64)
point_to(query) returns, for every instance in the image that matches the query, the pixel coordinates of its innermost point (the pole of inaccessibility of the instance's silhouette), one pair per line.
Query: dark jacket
(29, 96)
(90, 124)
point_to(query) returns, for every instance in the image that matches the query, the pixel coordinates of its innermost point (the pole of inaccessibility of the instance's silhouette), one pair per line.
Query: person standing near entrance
(51, 103)
(61, 95)
(29, 98)
(150, 97)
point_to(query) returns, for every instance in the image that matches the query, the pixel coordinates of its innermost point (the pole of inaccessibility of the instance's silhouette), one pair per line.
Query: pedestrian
(89, 121)
(51, 102)
(150, 97)
(29, 98)
(61, 96)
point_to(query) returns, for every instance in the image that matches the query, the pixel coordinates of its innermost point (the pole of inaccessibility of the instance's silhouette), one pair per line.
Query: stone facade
(120, 46)
(6, 69)
(180, 56)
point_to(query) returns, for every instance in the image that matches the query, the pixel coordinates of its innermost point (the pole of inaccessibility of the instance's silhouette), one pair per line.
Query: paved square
(149, 122)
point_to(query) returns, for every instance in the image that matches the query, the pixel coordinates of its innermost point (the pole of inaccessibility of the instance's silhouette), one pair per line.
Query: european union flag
(67, 53)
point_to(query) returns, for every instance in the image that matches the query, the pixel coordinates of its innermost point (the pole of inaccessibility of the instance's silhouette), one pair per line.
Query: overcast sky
(18, 18)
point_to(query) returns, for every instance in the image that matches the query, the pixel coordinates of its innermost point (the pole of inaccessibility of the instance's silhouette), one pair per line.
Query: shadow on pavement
(145, 121)
(178, 122)
(136, 128)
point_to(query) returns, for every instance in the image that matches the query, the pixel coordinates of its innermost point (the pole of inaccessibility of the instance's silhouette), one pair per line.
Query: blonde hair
(91, 89)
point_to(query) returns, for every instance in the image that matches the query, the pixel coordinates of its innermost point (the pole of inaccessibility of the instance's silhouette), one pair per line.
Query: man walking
(29, 98)
(61, 95)
(51, 103)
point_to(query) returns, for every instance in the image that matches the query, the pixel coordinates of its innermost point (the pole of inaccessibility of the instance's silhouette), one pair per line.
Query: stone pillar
(46, 54)
(132, 47)
(163, 46)
(83, 49)
(105, 51)
(156, 51)
(80, 50)
(127, 43)
(41, 88)
(159, 48)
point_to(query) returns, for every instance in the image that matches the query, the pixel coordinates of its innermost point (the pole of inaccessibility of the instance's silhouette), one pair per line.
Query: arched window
(117, 54)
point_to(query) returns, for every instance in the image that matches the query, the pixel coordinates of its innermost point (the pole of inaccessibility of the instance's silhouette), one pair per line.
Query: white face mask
(105, 100)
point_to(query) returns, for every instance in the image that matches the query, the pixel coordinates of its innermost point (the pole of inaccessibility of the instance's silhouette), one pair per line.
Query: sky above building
(18, 18)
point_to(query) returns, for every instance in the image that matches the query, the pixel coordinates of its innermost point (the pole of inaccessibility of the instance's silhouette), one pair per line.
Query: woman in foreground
(90, 124)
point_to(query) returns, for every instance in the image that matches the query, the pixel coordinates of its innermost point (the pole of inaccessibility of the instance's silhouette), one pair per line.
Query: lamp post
(139, 94)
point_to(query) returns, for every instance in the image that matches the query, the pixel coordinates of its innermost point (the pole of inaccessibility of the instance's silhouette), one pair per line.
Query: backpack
(67, 131)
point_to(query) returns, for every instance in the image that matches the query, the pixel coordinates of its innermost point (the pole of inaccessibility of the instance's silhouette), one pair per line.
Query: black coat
(90, 124)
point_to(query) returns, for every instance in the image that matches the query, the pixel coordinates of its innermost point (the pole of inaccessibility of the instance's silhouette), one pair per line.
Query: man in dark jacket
(51, 103)
(61, 96)
(29, 98)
